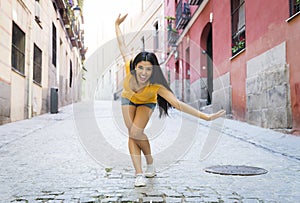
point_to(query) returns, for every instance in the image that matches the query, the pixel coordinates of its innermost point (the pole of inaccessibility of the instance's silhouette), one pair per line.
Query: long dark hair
(157, 77)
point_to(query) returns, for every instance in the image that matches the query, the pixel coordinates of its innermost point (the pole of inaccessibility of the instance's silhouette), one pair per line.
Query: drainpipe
(30, 69)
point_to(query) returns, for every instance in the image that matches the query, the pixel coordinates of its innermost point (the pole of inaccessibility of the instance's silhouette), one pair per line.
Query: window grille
(37, 65)
(238, 27)
(18, 49)
(294, 7)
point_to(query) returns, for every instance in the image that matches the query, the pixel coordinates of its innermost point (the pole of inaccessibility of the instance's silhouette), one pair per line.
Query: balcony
(195, 2)
(83, 51)
(60, 4)
(65, 15)
(70, 31)
(172, 37)
(183, 15)
(74, 42)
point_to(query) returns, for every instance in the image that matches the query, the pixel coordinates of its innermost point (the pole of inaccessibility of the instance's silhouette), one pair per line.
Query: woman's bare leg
(136, 120)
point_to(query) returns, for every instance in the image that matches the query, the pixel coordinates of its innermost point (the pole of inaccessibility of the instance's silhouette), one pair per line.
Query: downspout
(30, 71)
(29, 61)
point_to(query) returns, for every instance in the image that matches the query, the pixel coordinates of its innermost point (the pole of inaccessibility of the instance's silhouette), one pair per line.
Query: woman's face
(143, 71)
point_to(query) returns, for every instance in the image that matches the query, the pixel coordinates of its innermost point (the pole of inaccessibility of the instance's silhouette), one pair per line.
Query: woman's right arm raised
(120, 37)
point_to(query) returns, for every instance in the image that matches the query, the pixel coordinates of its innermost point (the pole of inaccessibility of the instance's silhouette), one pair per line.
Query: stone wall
(221, 96)
(5, 102)
(198, 93)
(267, 89)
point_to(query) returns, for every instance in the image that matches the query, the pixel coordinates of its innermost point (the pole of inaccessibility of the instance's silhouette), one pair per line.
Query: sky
(99, 18)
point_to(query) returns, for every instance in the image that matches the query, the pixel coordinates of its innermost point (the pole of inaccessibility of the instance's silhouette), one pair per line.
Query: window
(294, 7)
(187, 63)
(37, 65)
(54, 44)
(177, 70)
(143, 43)
(37, 11)
(71, 74)
(18, 49)
(155, 37)
(238, 26)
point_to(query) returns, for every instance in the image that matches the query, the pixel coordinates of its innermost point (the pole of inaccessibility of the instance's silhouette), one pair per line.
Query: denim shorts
(126, 101)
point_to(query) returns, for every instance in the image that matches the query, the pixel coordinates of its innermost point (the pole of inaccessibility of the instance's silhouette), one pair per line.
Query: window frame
(294, 7)
(156, 36)
(37, 64)
(71, 75)
(238, 32)
(54, 45)
(18, 49)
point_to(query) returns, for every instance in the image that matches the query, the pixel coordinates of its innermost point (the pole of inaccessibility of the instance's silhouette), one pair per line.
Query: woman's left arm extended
(181, 106)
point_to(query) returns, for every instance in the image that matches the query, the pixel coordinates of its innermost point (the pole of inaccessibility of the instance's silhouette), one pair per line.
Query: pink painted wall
(266, 27)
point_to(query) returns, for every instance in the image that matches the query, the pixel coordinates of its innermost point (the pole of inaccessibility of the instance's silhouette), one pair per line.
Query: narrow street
(80, 155)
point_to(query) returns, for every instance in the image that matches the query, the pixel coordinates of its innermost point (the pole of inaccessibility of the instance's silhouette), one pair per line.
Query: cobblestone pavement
(48, 159)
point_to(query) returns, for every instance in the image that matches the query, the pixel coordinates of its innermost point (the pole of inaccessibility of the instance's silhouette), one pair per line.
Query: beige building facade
(41, 49)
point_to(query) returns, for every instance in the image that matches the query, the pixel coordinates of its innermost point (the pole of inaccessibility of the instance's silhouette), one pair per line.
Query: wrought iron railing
(195, 2)
(172, 37)
(238, 41)
(183, 15)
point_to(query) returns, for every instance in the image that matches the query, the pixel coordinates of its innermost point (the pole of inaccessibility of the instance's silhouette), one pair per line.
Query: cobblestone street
(53, 158)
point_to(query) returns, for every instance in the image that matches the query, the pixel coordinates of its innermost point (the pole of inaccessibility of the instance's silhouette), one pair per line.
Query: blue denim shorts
(126, 101)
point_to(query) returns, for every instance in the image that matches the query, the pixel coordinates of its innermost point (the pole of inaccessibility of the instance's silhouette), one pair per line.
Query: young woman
(144, 87)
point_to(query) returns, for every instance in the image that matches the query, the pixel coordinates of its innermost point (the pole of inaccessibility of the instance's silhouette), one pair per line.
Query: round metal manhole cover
(236, 170)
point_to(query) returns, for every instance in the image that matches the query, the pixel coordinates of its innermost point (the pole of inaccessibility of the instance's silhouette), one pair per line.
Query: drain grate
(236, 170)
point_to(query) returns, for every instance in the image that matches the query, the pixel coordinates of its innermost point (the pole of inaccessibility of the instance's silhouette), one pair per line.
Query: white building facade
(42, 49)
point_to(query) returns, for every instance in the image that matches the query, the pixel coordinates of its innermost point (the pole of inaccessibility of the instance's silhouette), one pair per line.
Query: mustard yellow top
(147, 95)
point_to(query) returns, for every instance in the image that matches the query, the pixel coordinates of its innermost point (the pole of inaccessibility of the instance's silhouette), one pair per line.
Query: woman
(144, 87)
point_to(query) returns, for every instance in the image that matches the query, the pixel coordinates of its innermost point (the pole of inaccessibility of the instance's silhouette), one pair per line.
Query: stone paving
(50, 158)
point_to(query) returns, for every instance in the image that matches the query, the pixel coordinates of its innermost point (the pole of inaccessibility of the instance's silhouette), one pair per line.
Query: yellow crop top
(148, 95)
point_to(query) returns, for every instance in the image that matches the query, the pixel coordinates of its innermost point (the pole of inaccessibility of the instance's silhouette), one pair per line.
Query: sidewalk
(81, 155)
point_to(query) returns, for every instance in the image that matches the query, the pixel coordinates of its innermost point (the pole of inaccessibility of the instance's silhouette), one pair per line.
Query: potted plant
(239, 45)
(170, 20)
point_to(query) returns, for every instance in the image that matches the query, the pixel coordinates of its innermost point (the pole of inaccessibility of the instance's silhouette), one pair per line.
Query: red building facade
(239, 55)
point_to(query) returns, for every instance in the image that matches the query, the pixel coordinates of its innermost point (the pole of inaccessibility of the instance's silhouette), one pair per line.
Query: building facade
(239, 55)
(42, 50)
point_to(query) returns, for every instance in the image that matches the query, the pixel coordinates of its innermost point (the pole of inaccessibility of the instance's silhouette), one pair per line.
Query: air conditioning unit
(37, 11)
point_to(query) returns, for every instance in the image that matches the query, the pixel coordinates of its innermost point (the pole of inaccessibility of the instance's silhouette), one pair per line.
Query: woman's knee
(136, 133)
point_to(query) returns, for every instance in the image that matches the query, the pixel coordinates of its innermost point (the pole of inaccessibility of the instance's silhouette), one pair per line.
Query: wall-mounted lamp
(176, 54)
(211, 17)
(77, 11)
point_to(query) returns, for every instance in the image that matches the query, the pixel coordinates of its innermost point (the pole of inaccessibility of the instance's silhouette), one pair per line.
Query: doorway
(207, 63)
(209, 56)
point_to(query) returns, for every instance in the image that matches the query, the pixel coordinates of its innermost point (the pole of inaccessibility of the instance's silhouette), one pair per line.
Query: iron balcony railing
(172, 37)
(183, 15)
(195, 2)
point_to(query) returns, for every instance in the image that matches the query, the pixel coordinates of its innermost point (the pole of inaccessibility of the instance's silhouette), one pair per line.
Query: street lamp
(77, 11)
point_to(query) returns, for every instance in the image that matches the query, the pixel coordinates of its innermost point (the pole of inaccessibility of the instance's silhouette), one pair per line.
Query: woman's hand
(120, 19)
(216, 115)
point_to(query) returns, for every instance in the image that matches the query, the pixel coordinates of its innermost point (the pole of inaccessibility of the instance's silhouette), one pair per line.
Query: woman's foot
(140, 181)
(150, 171)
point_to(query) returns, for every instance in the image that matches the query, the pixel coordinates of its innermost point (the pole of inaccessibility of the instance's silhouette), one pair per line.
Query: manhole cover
(236, 170)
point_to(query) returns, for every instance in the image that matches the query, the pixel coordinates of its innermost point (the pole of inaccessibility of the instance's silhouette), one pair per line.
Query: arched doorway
(207, 60)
